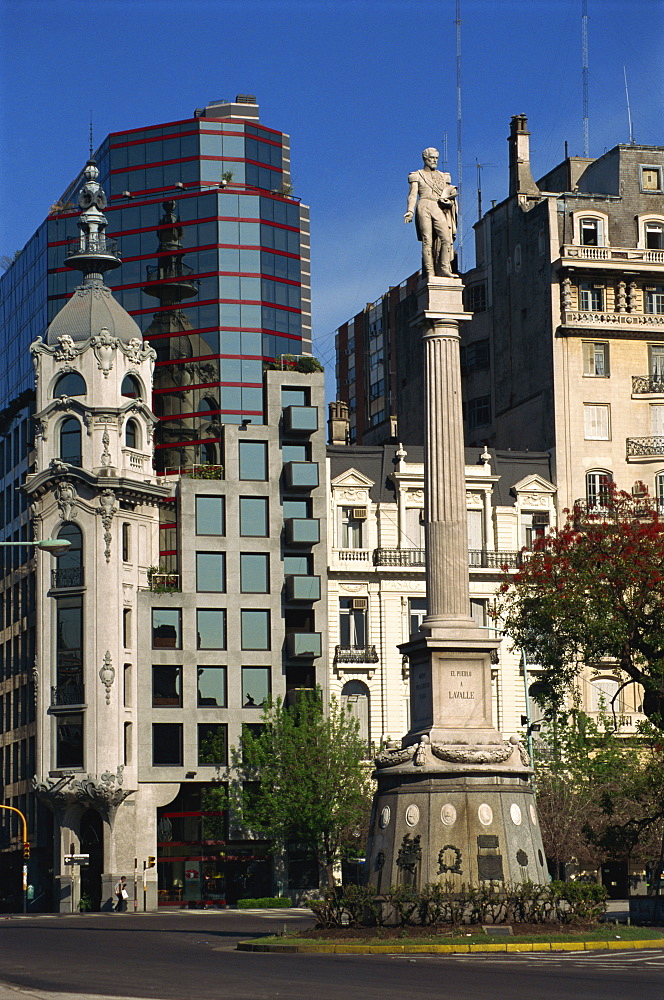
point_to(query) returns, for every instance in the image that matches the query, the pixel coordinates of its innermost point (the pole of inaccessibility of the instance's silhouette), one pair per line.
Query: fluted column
(444, 461)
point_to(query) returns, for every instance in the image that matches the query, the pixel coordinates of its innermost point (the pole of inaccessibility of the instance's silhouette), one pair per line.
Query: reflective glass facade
(215, 270)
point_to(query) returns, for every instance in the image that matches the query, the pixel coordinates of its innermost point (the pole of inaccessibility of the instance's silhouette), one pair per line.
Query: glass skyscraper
(215, 270)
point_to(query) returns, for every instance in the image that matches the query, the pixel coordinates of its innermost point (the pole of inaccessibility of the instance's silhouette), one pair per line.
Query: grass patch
(399, 935)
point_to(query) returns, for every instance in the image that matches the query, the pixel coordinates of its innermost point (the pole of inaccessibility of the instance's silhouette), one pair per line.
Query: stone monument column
(454, 800)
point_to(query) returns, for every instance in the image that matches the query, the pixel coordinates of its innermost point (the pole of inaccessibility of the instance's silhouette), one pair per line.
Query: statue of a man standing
(435, 214)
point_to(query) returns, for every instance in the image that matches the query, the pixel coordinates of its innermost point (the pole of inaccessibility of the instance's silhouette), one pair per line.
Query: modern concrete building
(115, 724)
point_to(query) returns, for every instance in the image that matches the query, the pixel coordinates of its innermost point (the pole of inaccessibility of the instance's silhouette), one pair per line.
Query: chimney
(521, 179)
(338, 424)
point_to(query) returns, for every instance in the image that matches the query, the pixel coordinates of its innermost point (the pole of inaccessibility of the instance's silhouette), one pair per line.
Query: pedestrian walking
(121, 895)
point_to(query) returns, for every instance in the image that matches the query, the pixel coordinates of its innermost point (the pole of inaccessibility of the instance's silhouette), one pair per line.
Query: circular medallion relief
(384, 816)
(515, 813)
(448, 814)
(412, 815)
(533, 814)
(485, 814)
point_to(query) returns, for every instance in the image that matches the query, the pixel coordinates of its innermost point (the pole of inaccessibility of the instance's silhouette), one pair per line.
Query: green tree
(600, 796)
(307, 779)
(593, 589)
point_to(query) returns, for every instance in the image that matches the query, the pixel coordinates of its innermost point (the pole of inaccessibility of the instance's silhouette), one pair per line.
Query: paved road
(190, 956)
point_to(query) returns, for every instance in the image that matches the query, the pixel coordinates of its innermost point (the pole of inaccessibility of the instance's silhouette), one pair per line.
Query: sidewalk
(8, 992)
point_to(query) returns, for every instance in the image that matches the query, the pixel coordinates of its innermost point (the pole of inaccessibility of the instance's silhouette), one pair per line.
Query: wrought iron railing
(487, 559)
(68, 694)
(643, 446)
(174, 269)
(399, 557)
(164, 583)
(647, 383)
(355, 654)
(92, 244)
(71, 577)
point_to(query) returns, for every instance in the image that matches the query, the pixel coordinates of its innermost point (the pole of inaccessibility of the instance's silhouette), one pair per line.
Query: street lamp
(56, 546)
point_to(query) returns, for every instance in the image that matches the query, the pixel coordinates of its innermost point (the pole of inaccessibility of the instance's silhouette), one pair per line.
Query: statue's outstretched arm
(412, 199)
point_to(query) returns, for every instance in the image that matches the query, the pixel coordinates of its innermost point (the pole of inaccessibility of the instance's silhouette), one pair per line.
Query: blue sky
(361, 86)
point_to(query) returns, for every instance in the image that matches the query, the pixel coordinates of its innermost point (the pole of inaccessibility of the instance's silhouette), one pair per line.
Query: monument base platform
(459, 820)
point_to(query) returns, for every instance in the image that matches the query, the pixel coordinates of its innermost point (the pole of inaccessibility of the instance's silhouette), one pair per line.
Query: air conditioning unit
(360, 603)
(358, 513)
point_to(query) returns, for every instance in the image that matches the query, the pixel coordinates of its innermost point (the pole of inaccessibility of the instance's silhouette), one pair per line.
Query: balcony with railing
(619, 255)
(66, 695)
(164, 583)
(643, 385)
(645, 447)
(96, 243)
(600, 319)
(488, 559)
(352, 558)
(399, 557)
(134, 461)
(73, 576)
(355, 654)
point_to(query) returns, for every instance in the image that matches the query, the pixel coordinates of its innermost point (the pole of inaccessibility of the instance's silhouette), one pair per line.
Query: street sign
(77, 859)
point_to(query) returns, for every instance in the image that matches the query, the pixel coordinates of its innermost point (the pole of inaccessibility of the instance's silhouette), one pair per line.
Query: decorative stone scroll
(66, 496)
(389, 758)
(468, 755)
(104, 345)
(107, 511)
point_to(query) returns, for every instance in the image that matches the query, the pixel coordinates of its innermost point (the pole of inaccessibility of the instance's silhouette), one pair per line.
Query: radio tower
(459, 156)
(584, 43)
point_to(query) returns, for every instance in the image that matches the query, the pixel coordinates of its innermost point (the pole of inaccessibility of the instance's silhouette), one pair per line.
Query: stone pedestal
(454, 801)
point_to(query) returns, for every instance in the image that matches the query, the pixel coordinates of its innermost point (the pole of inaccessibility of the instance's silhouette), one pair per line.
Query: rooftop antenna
(584, 44)
(479, 185)
(459, 157)
(91, 133)
(629, 113)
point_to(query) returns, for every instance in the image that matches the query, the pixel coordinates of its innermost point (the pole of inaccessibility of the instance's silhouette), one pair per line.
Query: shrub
(264, 903)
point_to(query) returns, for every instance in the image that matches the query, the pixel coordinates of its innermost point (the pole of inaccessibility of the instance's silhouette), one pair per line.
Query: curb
(446, 949)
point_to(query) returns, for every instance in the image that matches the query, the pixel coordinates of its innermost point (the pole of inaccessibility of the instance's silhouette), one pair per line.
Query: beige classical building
(376, 579)
(566, 348)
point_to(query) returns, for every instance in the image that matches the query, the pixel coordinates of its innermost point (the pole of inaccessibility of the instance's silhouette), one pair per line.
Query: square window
(590, 231)
(651, 178)
(596, 359)
(166, 628)
(166, 686)
(655, 300)
(255, 686)
(255, 629)
(167, 744)
(212, 687)
(591, 299)
(596, 422)
(213, 743)
(211, 628)
(295, 453)
(294, 397)
(296, 508)
(253, 517)
(296, 565)
(417, 611)
(254, 573)
(210, 516)
(656, 359)
(253, 460)
(654, 236)
(211, 572)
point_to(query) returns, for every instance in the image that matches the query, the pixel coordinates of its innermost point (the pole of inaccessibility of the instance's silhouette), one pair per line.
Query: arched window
(659, 491)
(598, 487)
(70, 441)
(131, 387)
(71, 384)
(69, 572)
(132, 434)
(602, 691)
(208, 403)
(355, 700)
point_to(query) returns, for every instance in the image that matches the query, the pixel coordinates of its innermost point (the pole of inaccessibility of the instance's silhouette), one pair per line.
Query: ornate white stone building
(376, 583)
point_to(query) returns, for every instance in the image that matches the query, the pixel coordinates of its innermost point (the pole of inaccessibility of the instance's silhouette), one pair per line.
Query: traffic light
(26, 851)
(152, 861)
